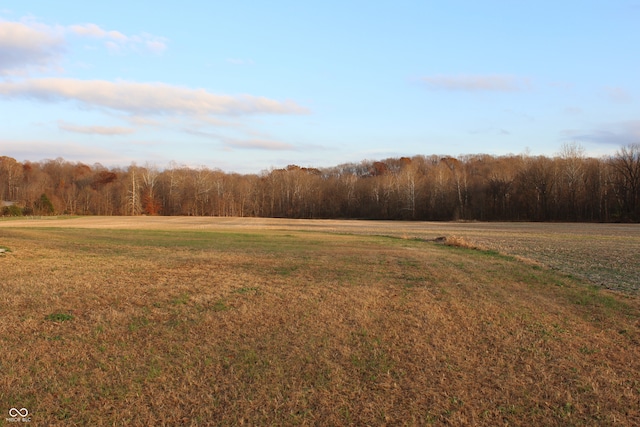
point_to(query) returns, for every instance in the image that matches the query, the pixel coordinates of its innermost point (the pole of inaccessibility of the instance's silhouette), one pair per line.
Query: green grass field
(277, 326)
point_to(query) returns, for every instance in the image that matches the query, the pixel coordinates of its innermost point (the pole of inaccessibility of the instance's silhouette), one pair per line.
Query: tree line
(567, 187)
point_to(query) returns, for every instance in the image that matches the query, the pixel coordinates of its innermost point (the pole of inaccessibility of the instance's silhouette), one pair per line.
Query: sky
(246, 86)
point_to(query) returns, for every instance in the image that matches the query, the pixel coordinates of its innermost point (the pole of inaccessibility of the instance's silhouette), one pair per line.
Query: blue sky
(244, 86)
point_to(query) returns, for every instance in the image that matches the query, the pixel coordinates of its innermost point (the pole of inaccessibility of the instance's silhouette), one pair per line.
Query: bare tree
(459, 174)
(535, 188)
(567, 186)
(150, 202)
(572, 177)
(626, 163)
(10, 177)
(134, 205)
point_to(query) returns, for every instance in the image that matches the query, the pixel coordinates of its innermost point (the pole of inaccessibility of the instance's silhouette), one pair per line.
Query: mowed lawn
(272, 327)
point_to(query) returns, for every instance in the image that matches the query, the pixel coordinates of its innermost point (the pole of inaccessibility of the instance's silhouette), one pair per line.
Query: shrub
(44, 205)
(12, 210)
(461, 242)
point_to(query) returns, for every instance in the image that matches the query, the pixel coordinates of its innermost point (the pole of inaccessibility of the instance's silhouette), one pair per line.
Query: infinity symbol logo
(13, 412)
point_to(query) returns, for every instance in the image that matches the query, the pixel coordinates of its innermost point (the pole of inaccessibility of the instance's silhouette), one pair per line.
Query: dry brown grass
(461, 242)
(280, 327)
(607, 255)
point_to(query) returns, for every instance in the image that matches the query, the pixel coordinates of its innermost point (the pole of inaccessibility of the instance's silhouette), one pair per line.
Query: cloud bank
(29, 47)
(23, 46)
(29, 44)
(621, 133)
(145, 98)
(95, 130)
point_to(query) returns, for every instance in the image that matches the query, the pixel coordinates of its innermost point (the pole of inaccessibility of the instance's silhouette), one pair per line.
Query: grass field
(201, 321)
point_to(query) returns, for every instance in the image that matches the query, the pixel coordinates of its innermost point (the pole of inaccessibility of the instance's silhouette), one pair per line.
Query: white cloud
(620, 133)
(231, 143)
(238, 61)
(115, 41)
(93, 30)
(490, 131)
(153, 43)
(29, 44)
(477, 83)
(258, 144)
(143, 121)
(26, 45)
(95, 130)
(113, 47)
(33, 150)
(145, 98)
(156, 46)
(618, 94)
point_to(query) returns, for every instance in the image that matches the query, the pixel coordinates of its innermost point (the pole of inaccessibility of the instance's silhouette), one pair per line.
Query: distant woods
(566, 187)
